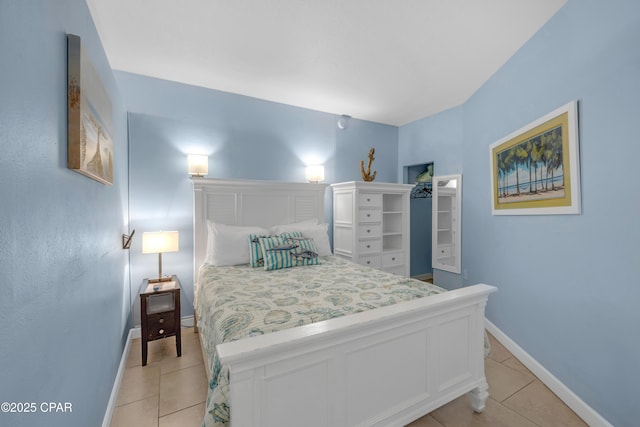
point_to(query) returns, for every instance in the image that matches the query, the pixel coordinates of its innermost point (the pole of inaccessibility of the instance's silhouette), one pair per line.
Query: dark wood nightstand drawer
(160, 325)
(160, 303)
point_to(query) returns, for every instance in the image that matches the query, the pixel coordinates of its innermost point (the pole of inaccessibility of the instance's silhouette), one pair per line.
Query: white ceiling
(387, 61)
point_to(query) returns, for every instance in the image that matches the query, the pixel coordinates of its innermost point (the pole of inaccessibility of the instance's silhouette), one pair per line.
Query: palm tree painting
(90, 147)
(534, 170)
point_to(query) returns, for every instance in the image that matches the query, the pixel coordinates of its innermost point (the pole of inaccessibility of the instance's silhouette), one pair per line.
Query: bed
(400, 359)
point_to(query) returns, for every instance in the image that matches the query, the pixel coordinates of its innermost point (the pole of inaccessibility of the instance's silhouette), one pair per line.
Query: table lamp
(158, 242)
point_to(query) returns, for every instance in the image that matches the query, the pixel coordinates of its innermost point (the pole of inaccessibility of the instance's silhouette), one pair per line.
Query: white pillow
(320, 237)
(309, 229)
(296, 226)
(229, 244)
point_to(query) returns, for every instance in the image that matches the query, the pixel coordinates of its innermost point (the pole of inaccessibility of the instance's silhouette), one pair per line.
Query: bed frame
(384, 367)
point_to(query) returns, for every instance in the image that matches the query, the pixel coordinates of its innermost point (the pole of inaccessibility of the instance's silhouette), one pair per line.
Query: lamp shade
(198, 164)
(157, 242)
(315, 173)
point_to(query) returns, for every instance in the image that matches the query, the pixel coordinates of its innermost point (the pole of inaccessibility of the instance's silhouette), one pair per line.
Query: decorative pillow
(311, 230)
(256, 258)
(227, 244)
(280, 252)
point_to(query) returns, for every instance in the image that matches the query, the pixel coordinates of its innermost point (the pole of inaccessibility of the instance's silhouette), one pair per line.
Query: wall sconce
(343, 121)
(158, 242)
(315, 173)
(198, 164)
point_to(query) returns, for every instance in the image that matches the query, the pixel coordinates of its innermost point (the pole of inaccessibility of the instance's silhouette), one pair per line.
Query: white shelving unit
(371, 224)
(447, 199)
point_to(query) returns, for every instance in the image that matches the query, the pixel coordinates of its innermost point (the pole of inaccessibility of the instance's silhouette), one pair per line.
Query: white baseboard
(106, 422)
(135, 333)
(584, 411)
(186, 322)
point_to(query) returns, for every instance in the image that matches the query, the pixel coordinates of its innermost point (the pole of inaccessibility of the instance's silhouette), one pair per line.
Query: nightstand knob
(161, 320)
(368, 262)
(368, 215)
(161, 331)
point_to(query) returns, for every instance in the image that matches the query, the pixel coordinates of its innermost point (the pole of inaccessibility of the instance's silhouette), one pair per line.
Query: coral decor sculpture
(367, 176)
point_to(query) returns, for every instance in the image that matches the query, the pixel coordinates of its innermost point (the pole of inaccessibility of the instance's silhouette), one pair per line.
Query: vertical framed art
(89, 117)
(536, 169)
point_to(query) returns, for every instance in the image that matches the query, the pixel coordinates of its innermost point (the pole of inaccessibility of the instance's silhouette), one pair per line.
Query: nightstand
(160, 313)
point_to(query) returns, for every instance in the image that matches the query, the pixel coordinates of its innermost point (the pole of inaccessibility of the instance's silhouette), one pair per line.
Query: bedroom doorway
(420, 207)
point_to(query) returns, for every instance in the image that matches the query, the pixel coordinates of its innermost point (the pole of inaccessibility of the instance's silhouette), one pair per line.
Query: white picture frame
(536, 169)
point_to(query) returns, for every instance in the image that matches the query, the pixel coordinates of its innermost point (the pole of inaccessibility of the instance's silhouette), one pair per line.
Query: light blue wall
(64, 289)
(568, 288)
(245, 138)
(436, 139)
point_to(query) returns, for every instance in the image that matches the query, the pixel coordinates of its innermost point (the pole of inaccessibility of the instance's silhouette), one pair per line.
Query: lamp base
(160, 279)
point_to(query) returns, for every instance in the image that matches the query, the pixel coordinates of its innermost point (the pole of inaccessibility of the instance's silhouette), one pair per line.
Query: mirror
(446, 214)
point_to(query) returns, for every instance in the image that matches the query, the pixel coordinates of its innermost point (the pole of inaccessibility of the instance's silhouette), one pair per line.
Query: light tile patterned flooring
(170, 391)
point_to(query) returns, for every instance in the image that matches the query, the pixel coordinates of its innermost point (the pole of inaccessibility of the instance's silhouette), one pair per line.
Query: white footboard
(385, 367)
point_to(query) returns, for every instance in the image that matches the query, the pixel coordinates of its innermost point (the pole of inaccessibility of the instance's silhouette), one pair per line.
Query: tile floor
(516, 399)
(171, 391)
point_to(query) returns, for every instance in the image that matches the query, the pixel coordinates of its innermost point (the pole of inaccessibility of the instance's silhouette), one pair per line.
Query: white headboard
(248, 202)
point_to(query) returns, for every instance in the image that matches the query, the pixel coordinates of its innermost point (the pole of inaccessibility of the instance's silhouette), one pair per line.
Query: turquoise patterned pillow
(284, 252)
(255, 255)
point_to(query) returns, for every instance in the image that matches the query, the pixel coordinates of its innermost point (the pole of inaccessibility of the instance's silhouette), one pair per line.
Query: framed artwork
(536, 169)
(89, 127)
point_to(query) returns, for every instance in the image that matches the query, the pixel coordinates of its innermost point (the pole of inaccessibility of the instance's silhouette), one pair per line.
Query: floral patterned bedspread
(238, 302)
